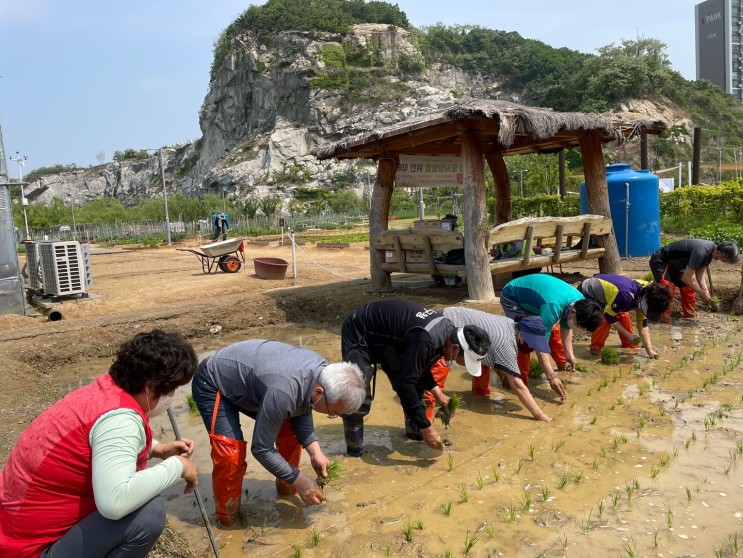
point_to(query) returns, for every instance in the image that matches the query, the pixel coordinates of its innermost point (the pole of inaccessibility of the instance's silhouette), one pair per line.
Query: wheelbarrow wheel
(229, 264)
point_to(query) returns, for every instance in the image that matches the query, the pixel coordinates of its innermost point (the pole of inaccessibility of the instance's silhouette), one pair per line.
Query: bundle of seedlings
(445, 413)
(335, 471)
(609, 355)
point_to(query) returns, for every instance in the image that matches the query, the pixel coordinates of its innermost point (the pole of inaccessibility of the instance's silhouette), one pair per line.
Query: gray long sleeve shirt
(271, 381)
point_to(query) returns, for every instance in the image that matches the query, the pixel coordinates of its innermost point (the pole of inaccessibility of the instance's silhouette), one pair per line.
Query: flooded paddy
(643, 459)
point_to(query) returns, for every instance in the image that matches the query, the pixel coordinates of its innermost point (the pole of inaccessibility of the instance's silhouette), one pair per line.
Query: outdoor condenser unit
(33, 265)
(65, 268)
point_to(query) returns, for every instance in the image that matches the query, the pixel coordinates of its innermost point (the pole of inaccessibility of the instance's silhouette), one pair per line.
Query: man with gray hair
(278, 385)
(684, 264)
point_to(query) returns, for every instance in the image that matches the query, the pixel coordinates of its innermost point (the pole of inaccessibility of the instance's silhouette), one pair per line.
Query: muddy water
(644, 459)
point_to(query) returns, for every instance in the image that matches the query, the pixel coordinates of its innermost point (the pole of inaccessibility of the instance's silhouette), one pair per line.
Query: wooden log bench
(416, 251)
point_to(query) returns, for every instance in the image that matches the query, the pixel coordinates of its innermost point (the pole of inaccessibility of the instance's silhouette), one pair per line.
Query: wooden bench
(416, 251)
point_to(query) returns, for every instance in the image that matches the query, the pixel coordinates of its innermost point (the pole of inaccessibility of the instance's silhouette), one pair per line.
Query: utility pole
(165, 199)
(21, 160)
(521, 180)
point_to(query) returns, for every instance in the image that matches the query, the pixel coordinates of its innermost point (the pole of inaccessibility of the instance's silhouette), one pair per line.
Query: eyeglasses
(327, 409)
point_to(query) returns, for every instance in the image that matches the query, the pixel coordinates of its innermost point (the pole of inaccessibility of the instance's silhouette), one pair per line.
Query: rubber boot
(481, 384)
(228, 457)
(289, 448)
(558, 351)
(524, 362)
(353, 431)
(688, 302)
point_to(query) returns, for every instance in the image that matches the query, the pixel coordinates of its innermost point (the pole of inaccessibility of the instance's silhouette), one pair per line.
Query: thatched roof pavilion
(491, 130)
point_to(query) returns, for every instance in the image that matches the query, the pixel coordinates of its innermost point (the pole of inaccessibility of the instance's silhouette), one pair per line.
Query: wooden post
(563, 182)
(476, 233)
(597, 192)
(643, 149)
(503, 210)
(378, 219)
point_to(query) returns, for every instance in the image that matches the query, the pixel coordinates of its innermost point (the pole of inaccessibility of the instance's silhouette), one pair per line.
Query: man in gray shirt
(278, 385)
(507, 338)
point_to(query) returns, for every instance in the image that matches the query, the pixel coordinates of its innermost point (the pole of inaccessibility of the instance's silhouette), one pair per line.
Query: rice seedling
(526, 502)
(589, 392)
(450, 461)
(674, 453)
(734, 544)
(663, 411)
(519, 465)
(315, 537)
(479, 481)
(601, 508)
(545, 492)
(447, 554)
(563, 541)
(620, 401)
(728, 469)
(718, 551)
(531, 452)
(595, 464)
(581, 368)
(638, 431)
(297, 550)
(469, 542)
(447, 412)
(464, 495)
(614, 378)
(688, 493)
(446, 508)
(335, 471)
(630, 547)
(535, 369)
(615, 500)
(191, 404)
(629, 490)
(654, 471)
(388, 550)
(636, 484)
(603, 383)
(588, 524)
(577, 477)
(565, 480)
(669, 516)
(510, 514)
(557, 446)
(656, 541)
(609, 356)
(664, 459)
(612, 406)
(407, 531)
(488, 530)
(419, 524)
(496, 474)
(642, 422)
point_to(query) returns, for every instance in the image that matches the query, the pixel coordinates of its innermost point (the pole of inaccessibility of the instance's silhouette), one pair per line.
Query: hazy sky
(84, 76)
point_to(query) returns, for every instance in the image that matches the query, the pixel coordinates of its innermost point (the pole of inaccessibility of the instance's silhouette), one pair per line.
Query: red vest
(46, 486)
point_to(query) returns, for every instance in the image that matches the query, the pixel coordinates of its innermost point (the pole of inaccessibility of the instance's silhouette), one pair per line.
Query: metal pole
(626, 220)
(72, 204)
(421, 205)
(196, 491)
(165, 198)
(294, 254)
(688, 171)
(21, 160)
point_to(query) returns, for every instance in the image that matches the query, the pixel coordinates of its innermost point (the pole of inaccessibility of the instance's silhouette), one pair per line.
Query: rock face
(266, 109)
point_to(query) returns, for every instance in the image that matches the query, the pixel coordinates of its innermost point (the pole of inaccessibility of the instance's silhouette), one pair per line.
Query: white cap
(472, 360)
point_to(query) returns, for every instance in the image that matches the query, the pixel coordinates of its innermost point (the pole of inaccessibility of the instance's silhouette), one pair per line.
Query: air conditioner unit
(33, 265)
(63, 268)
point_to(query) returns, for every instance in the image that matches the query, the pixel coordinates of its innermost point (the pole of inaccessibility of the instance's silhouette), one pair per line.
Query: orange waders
(598, 337)
(557, 351)
(688, 302)
(228, 458)
(289, 449)
(439, 371)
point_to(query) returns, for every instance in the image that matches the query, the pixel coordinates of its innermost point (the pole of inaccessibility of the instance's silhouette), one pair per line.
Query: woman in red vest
(76, 482)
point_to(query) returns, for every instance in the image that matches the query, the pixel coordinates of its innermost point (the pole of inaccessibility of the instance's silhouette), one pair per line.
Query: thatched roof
(503, 127)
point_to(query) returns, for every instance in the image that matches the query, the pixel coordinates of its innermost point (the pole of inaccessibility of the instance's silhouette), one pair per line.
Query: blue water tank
(634, 201)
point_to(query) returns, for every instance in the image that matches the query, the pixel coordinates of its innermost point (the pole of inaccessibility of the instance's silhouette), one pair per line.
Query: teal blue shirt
(543, 295)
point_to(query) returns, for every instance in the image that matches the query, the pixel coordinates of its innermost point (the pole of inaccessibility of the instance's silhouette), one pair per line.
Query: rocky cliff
(268, 107)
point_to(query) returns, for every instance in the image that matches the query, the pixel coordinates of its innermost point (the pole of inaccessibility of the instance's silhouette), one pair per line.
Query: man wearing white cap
(507, 340)
(405, 339)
